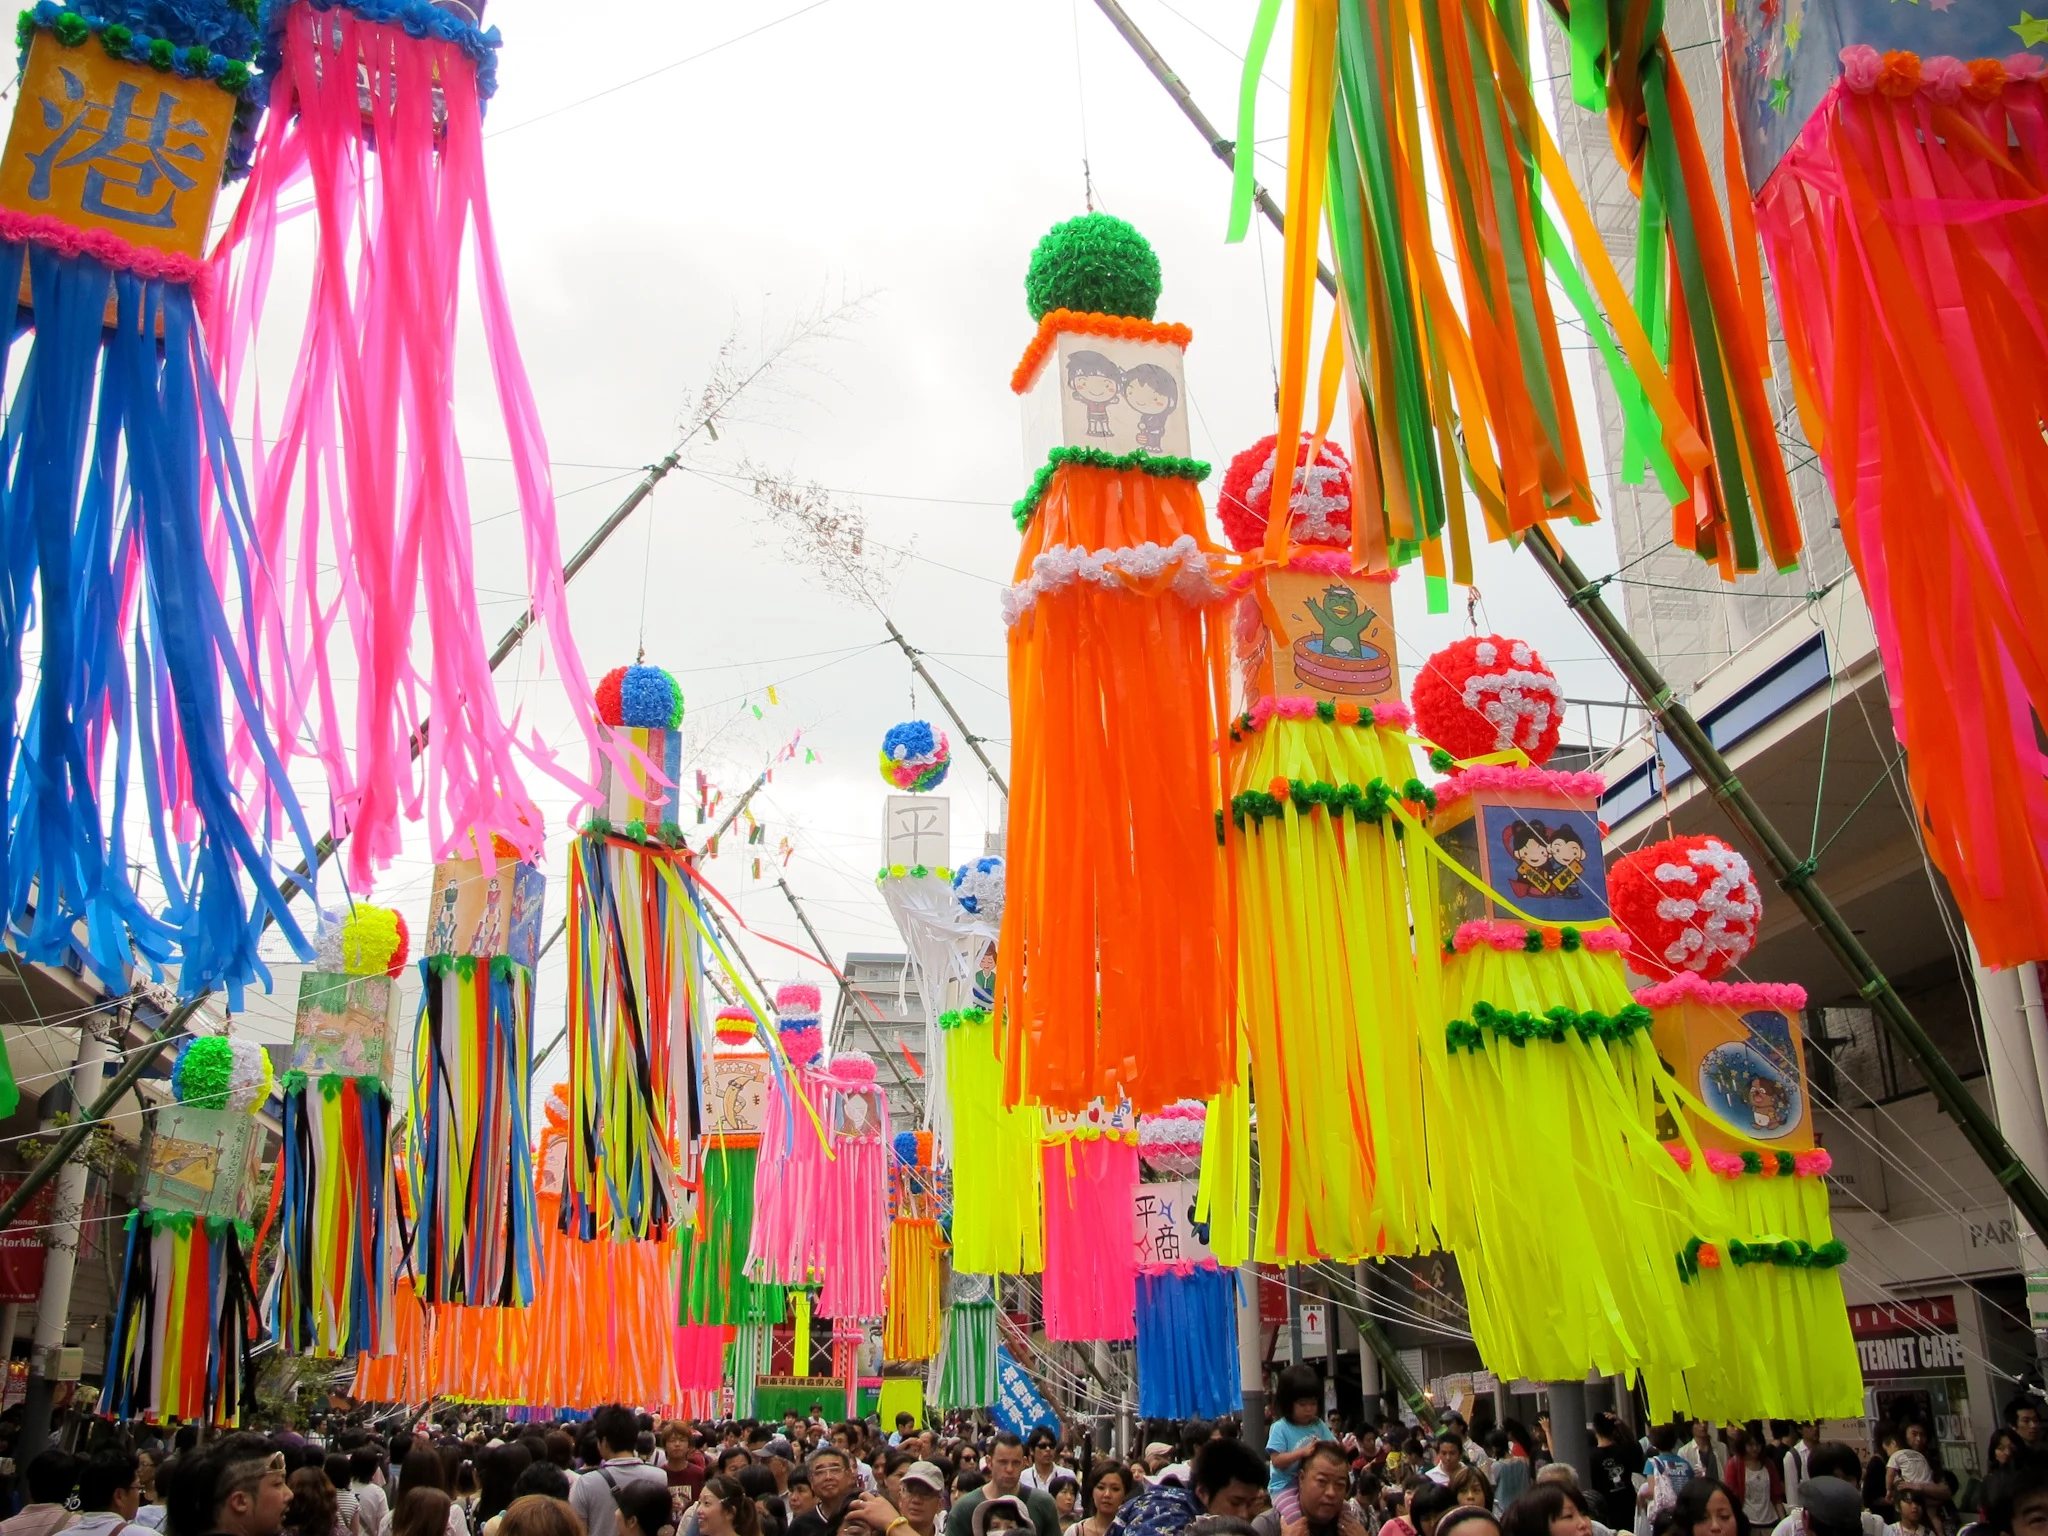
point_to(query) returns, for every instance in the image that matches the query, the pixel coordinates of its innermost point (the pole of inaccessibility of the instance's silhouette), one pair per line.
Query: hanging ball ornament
(647, 698)
(978, 887)
(915, 757)
(365, 941)
(1687, 904)
(1486, 694)
(217, 1072)
(1170, 1142)
(734, 1027)
(1320, 512)
(799, 1021)
(1093, 265)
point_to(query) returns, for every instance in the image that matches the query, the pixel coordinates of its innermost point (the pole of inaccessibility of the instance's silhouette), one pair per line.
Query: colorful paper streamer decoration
(964, 1373)
(1091, 1278)
(998, 1178)
(375, 121)
(854, 1214)
(1116, 690)
(911, 1325)
(1187, 1341)
(126, 495)
(788, 1245)
(915, 758)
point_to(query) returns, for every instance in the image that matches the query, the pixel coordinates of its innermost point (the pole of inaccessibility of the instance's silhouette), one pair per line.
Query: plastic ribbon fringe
(1908, 244)
(1091, 1267)
(787, 1244)
(1328, 986)
(336, 1237)
(1441, 382)
(853, 1218)
(1582, 1279)
(470, 1164)
(126, 494)
(180, 1339)
(964, 1374)
(1771, 1336)
(700, 1357)
(998, 1184)
(1187, 1342)
(714, 1288)
(401, 1375)
(946, 944)
(1108, 982)
(382, 130)
(910, 1330)
(1223, 1197)
(603, 1323)
(630, 961)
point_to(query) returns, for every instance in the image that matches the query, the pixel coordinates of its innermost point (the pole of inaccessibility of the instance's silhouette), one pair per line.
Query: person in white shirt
(366, 1482)
(1830, 1504)
(1799, 1461)
(1699, 1452)
(107, 1493)
(1042, 1446)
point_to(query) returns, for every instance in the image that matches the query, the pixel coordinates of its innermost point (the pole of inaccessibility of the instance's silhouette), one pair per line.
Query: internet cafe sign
(1908, 1338)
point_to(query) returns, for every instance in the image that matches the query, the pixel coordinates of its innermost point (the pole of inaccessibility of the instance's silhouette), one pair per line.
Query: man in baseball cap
(923, 1490)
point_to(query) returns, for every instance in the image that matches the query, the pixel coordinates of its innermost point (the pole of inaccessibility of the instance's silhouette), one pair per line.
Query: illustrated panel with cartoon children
(1547, 862)
(1122, 396)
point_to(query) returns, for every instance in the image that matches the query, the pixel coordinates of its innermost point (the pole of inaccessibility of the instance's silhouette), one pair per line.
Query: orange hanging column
(1114, 976)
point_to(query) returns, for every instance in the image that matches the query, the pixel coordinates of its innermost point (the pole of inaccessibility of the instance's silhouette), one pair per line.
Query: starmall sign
(1908, 1338)
(21, 1244)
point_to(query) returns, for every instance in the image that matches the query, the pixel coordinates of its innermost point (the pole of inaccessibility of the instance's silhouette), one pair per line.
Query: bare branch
(735, 374)
(828, 541)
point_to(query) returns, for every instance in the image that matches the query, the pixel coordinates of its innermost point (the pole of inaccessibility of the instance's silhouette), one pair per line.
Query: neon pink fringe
(790, 1174)
(1091, 1269)
(1508, 937)
(1736, 995)
(365, 455)
(1294, 706)
(1184, 1268)
(853, 1219)
(700, 1356)
(107, 247)
(1505, 778)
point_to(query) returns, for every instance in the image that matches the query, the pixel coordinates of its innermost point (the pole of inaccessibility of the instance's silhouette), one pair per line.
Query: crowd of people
(620, 1473)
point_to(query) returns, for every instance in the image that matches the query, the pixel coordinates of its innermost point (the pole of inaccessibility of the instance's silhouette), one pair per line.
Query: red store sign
(1908, 1338)
(21, 1244)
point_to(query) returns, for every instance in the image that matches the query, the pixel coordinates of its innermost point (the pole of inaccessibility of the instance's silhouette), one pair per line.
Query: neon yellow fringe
(998, 1186)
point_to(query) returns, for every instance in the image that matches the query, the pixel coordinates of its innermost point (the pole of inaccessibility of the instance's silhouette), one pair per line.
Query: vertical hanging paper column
(179, 1343)
(470, 1144)
(1541, 1034)
(1763, 1296)
(854, 1214)
(787, 1245)
(998, 1180)
(964, 1374)
(1091, 1174)
(917, 1209)
(375, 122)
(1919, 361)
(1113, 983)
(124, 491)
(917, 835)
(337, 1241)
(1187, 1304)
(1318, 759)
(714, 1294)
(629, 973)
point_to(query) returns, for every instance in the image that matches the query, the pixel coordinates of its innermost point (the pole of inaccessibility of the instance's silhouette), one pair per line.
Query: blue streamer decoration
(112, 449)
(1187, 1343)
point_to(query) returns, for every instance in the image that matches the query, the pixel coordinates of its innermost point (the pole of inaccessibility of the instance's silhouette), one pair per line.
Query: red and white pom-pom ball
(1688, 904)
(1320, 512)
(1486, 694)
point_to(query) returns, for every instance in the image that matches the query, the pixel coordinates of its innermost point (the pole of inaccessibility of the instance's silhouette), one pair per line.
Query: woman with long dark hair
(723, 1509)
(1707, 1507)
(497, 1471)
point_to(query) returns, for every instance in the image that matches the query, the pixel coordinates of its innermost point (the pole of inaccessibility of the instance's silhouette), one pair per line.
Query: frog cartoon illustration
(1344, 622)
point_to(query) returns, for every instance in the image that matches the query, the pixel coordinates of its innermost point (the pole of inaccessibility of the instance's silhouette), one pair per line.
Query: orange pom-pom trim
(1056, 321)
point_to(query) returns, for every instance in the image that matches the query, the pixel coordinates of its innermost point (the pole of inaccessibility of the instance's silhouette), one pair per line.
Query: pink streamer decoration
(854, 1217)
(1733, 995)
(1507, 778)
(700, 1356)
(365, 457)
(1091, 1268)
(790, 1174)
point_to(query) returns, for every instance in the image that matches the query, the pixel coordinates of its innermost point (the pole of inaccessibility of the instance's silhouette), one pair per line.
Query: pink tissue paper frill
(1737, 995)
(1507, 778)
(110, 249)
(1508, 937)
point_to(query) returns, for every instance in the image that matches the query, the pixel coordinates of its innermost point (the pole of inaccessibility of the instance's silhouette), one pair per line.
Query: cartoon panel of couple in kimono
(1148, 389)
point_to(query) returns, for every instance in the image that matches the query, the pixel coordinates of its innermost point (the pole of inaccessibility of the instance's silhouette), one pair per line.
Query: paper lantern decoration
(1904, 356)
(1170, 1142)
(470, 1172)
(1489, 694)
(644, 698)
(125, 122)
(911, 1328)
(1091, 1172)
(1687, 904)
(639, 792)
(1114, 619)
(1539, 1030)
(965, 1373)
(218, 1072)
(360, 475)
(1761, 1264)
(915, 757)
(799, 1021)
(714, 1289)
(1321, 504)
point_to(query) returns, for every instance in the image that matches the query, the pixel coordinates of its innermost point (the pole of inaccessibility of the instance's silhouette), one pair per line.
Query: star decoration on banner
(1781, 94)
(2030, 29)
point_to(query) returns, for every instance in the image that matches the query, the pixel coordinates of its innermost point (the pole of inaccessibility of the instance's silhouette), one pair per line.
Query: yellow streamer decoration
(998, 1184)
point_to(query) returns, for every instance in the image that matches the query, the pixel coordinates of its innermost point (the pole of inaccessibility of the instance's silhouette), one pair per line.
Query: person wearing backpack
(594, 1495)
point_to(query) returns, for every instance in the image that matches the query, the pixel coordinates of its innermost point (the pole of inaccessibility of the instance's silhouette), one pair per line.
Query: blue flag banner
(1020, 1407)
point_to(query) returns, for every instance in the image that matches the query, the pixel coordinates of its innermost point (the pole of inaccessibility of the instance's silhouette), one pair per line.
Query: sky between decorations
(913, 150)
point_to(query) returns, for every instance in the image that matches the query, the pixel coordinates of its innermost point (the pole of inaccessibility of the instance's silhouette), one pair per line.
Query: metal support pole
(1568, 1442)
(973, 741)
(1251, 1365)
(1795, 876)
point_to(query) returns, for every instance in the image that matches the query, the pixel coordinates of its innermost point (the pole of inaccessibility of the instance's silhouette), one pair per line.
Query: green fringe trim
(1163, 466)
(182, 1223)
(1520, 1028)
(668, 835)
(1786, 1253)
(504, 967)
(953, 1018)
(330, 1083)
(118, 42)
(1370, 804)
(911, 871)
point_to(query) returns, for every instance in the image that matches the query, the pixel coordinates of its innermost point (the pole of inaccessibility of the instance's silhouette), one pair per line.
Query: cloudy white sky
(911, 152)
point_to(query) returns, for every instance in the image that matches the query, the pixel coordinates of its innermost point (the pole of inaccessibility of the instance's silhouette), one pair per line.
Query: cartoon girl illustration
(1095, 381)
(1152, 392)
(490, 931)
(1528, 844)
(441, 938)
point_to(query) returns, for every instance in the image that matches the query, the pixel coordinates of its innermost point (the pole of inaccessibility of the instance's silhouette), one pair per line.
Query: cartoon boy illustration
(1151, 391)
(441, 939)
(1528, 844)
(1769, 1102)
(1567, 861)
(490, 930)
(1095, 381)
(1344, 622)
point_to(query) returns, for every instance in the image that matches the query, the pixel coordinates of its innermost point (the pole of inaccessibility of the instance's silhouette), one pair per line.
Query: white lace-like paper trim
(1064, 564)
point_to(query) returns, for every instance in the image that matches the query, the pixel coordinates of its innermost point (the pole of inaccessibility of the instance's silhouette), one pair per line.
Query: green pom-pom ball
(1094, 265)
